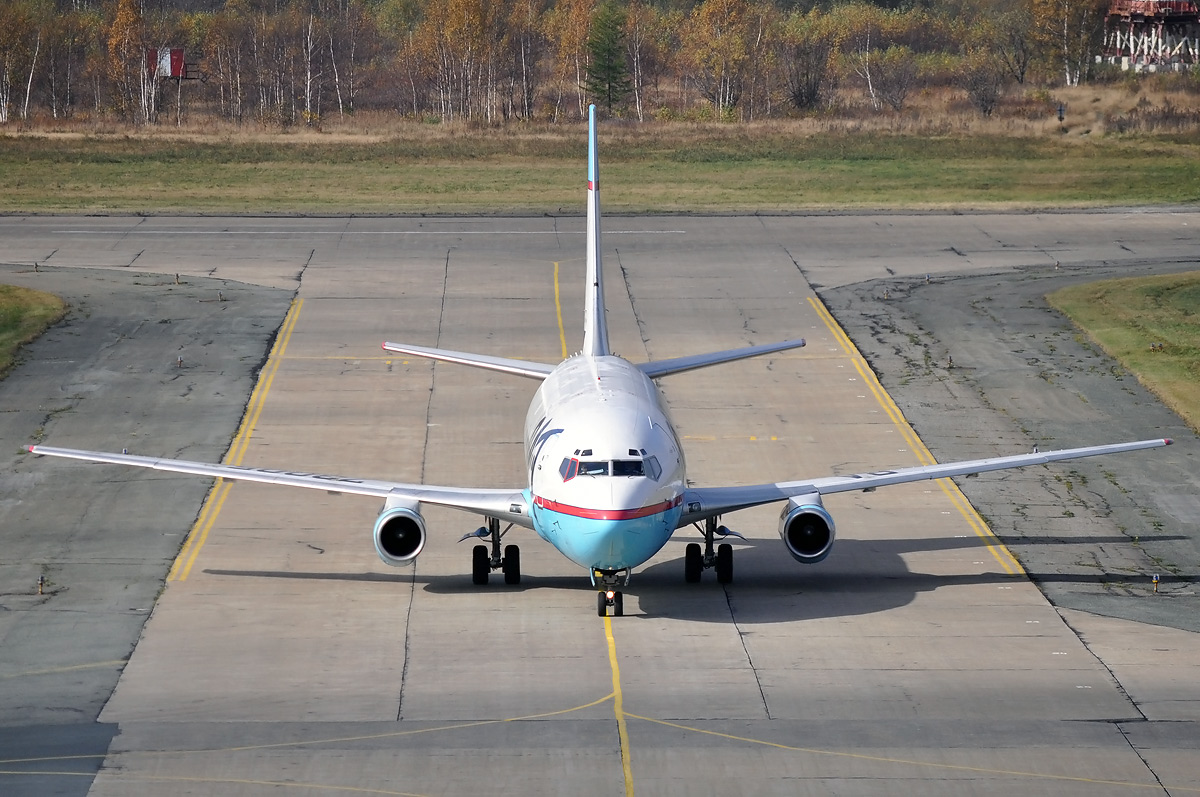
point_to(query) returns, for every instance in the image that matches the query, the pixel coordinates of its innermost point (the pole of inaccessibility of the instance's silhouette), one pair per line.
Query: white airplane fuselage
(605, 468)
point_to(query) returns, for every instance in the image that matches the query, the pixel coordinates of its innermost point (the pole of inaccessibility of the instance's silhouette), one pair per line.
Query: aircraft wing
(505, 504)
(680, 364)
(706, 502)
(506, 365)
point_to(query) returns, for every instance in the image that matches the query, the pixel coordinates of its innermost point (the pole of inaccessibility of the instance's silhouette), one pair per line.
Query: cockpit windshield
(572, 467)
(628, 467)
(592, 468)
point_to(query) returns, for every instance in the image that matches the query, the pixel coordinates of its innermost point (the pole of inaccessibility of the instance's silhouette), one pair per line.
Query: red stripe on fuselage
(592, 185)
(607, 514)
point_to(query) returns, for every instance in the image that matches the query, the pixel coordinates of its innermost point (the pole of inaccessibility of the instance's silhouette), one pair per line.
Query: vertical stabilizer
(595, 326)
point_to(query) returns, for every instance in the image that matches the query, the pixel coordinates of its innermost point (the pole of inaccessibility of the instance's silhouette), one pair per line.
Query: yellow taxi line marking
(196, 538)
(998, 550)
(619, 707)
(315, 742)
(618, 698)
(290, 784)
(73, 668)
(562, 335)
(911, 762)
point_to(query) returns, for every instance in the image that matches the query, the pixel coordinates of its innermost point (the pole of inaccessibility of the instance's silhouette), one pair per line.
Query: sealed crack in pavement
(1021, 375)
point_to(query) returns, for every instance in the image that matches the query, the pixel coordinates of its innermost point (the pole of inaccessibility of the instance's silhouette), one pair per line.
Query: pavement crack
(1120, 726)
(433, 376)
(1112, 675)
(746, 650)
(633, 305)
(412, 596)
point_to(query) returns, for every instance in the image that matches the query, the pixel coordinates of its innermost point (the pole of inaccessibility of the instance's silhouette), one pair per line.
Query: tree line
(297, 61)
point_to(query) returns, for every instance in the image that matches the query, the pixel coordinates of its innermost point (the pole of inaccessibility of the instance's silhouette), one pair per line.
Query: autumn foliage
(292, 62)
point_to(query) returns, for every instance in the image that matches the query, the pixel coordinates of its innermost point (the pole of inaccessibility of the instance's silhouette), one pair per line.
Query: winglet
(595, 326)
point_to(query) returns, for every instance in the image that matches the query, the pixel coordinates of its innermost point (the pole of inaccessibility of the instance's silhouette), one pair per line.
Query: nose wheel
(609, 595)
(609, 598)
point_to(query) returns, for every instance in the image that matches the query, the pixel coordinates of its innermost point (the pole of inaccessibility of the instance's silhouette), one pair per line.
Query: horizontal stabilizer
(506, 365)
(680, 364)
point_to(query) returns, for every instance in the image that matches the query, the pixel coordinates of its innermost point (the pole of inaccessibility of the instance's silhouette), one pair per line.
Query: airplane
(606, 479)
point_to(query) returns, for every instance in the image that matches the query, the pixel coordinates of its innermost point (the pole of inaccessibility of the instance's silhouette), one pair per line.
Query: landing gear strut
(484, 561)
(695, 562)
(609, 595)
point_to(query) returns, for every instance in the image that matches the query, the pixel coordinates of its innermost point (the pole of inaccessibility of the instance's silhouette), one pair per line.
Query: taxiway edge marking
(207, 518)
(998, 550)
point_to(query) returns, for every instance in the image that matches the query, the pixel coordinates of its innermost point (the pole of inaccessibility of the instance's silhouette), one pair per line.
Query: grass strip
(24, 314)
(723, 170)
(1151, 325)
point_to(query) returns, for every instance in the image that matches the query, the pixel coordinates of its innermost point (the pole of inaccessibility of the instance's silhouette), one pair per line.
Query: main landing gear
(485, 559)
(609, 595)
(696, 562)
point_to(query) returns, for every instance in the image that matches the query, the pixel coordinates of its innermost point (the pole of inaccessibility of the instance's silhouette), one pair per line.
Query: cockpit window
(653, 469)
(627, 467)
(572, 467)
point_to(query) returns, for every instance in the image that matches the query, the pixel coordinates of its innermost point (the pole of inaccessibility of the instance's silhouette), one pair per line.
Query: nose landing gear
(611, 598)
(609, 595)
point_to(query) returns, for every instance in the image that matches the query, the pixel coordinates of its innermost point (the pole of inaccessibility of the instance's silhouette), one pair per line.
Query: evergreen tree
(607, 79)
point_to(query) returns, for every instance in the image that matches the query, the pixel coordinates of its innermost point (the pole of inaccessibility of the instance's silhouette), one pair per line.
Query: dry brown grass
(1024, 112)
(936, 153)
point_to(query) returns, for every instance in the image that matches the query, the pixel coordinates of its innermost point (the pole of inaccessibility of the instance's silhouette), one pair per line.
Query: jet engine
(399, 533)
(806, 529)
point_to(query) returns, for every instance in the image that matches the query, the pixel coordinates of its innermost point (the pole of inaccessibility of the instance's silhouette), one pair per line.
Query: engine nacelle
(806, 529)
(399, 533)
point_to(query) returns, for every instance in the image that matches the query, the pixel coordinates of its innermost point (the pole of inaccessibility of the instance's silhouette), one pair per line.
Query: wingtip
(1168, 441)
(31, 449)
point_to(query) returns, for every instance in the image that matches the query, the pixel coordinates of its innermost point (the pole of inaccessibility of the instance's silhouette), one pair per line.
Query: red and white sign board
(167, 62)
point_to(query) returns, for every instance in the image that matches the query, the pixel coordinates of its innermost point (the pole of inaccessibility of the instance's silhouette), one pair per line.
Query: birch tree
(716, 47)
(1070, 33)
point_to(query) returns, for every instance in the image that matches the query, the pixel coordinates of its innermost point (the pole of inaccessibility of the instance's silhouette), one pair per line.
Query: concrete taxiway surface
(283, 657)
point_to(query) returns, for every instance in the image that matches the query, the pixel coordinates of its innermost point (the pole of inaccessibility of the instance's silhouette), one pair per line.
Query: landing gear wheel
(481, 565)
(724, 563)
(601, 604)
(512, 564)
(693, 563)
(618, 605)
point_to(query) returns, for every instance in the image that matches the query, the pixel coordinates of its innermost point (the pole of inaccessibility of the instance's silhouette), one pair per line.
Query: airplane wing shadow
(861, 577)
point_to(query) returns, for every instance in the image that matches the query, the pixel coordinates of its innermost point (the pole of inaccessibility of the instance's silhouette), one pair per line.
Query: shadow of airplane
(860, 577)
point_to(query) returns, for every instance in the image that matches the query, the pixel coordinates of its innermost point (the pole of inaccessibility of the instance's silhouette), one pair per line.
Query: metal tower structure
(1153, 35)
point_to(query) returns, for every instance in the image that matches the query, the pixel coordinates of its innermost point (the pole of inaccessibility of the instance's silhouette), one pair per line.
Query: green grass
(715, 169)
(1129, 317)
(24, 314)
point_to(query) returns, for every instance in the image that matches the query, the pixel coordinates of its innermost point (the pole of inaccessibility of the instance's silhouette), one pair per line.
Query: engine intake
(807, 529)
(399, 534)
